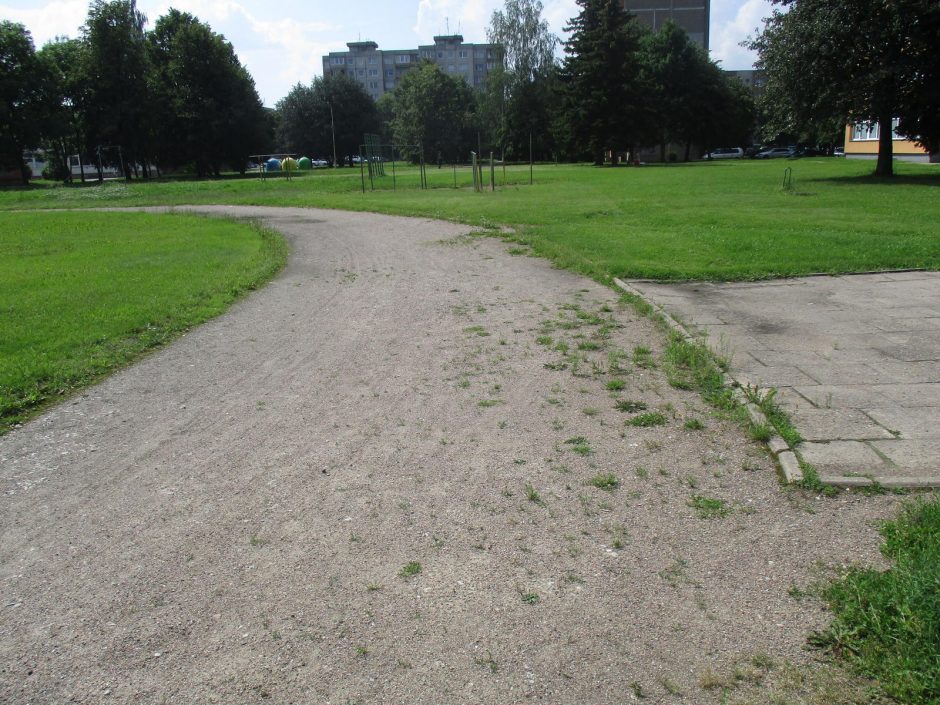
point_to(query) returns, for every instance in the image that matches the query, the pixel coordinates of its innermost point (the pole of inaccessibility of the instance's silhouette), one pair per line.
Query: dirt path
(228, 521)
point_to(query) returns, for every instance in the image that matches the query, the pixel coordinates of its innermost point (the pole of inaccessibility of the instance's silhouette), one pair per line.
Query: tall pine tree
(601, 73)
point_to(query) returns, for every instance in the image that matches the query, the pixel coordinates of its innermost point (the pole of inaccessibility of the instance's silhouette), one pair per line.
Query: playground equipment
(304, 164)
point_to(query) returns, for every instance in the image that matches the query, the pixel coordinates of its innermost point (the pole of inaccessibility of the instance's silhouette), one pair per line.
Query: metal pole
(394, 187)
(362, 176)
(530, 159)
(333, 128)
(455, 173)
(127, 176)
(492, 174)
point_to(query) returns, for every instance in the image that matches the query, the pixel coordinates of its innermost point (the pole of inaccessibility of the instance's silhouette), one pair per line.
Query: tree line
(169, 98)
(177, 97)
(620, 87)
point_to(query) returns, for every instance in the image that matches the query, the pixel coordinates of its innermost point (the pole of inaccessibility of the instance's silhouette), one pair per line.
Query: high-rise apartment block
(691, 15)
(380, 70)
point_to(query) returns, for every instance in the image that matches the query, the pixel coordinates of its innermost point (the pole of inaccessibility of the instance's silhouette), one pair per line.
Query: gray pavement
(856, 360)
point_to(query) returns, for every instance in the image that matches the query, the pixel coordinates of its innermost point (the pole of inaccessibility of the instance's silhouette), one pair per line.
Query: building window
(479, 67)
(349, 60)
(404, 59)
(462, 54)
(865, 132)
(390, 73)
(373, 72)
(337, 60)
(373, 85)
(371, 59)
(450, 68)
(360, 72)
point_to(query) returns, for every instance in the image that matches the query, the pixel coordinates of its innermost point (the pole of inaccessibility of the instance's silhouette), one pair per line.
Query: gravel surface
(371, 482)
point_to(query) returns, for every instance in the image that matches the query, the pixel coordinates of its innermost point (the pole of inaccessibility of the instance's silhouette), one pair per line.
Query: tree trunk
(885, 166)
(688, 150)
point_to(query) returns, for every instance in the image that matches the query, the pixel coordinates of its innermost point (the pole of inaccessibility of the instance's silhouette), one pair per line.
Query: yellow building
(861, 142)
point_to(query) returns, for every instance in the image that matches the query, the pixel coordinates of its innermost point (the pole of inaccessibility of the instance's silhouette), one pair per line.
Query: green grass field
(84, 293)
(720, 220)
(888, 623)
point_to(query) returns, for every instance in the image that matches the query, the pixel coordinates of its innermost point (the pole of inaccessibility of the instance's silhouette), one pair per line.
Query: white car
(725, 153)
(317, 163)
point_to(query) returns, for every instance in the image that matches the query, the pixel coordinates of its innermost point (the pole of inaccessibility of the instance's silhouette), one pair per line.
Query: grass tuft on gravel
(887, 623)
(82, 294)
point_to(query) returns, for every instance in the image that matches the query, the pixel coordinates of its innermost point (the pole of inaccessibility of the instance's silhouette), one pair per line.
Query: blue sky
(282, 42)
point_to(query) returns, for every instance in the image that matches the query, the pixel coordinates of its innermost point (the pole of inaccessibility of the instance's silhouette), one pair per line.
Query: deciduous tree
(861, 61)
(23, 111)
(306, 123)
(434, 110)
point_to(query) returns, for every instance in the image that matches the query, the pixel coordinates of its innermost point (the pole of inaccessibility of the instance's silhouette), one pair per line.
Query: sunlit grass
(723, 221)
(84, 293)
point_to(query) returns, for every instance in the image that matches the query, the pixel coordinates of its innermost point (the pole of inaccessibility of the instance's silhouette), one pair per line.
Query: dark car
(776, 153)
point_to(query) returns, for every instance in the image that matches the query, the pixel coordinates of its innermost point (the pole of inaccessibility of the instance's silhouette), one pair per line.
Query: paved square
(856, 359)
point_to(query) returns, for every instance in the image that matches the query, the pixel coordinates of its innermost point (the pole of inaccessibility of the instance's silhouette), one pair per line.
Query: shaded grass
(726, 221)
(887, 624)
(84, 293)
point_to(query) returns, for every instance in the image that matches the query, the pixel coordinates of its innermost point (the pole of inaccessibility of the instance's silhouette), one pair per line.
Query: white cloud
(559, 13)
(61, 18)
(728, 31)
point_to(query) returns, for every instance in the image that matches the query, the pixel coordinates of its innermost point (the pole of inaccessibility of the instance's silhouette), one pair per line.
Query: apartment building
(861, 142)
(380, 70)
(691, 15)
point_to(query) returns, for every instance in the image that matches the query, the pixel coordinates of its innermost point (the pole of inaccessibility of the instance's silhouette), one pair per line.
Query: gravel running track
(227, 520)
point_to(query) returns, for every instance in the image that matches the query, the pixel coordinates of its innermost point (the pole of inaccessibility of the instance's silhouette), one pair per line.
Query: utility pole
(333, 128)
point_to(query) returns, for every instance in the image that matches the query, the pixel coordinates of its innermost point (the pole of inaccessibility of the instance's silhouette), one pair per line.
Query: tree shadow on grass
(932, 179)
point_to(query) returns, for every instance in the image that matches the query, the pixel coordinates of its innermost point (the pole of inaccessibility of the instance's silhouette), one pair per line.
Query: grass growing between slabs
(722, 221)
(887, 624)
(84, 293)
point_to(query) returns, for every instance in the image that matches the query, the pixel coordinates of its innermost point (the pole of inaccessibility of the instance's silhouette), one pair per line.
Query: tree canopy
(306, 122)
(22, 107)
(434, 110)
(207, 111)
(856, 61)
(602, 80)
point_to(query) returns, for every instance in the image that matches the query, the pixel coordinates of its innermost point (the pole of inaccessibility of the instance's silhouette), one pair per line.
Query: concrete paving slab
(918, 454)
(841, 424)
(914, 395)
(914, 423)
(845, 396)
(843, 457)
(854, 357)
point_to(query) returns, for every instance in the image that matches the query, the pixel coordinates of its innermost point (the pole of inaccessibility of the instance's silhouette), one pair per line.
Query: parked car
(776, 153)
(317, 163)
(838, 152)
(725, 153)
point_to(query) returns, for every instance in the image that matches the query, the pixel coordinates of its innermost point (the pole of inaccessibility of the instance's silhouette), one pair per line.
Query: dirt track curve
(228, 520)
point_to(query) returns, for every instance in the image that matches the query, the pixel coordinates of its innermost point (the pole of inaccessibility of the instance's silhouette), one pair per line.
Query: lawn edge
(273, 264)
